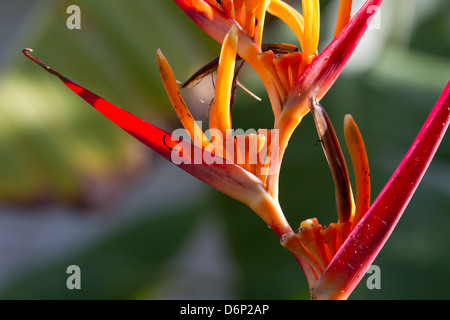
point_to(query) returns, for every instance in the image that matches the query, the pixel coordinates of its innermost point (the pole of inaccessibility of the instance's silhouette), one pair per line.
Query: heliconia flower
(225, 176)
(292, 77)
(295, 82)
(246, 167)
(321, 243)
(252, 152)
(340, 253)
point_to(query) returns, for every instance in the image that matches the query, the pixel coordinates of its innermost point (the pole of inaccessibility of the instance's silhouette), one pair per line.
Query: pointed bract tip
(26, 51)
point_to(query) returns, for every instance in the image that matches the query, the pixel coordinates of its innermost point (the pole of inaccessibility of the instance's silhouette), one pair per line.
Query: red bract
(224, 176)
(362, 246)
(335, 257)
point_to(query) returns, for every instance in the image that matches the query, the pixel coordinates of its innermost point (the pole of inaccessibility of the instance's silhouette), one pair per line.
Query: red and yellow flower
(333, 257)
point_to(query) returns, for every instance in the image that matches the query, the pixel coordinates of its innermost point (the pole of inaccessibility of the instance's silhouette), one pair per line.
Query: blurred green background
(75, 189)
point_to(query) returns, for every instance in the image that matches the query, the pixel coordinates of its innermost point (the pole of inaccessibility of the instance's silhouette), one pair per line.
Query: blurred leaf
(55, 147)
(125, 264)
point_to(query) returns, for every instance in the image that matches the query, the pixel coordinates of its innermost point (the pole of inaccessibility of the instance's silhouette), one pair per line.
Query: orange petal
(178, 103)
(357, 150)
(344, 15)
(260, 17)
(290, 16)
(220, 115)
(311, 13)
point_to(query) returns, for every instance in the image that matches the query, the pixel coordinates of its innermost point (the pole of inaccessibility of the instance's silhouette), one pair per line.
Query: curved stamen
(311, 12)
(357, 150)
(344, 15)
(260, 17)
(290, 16)
(220, 117)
